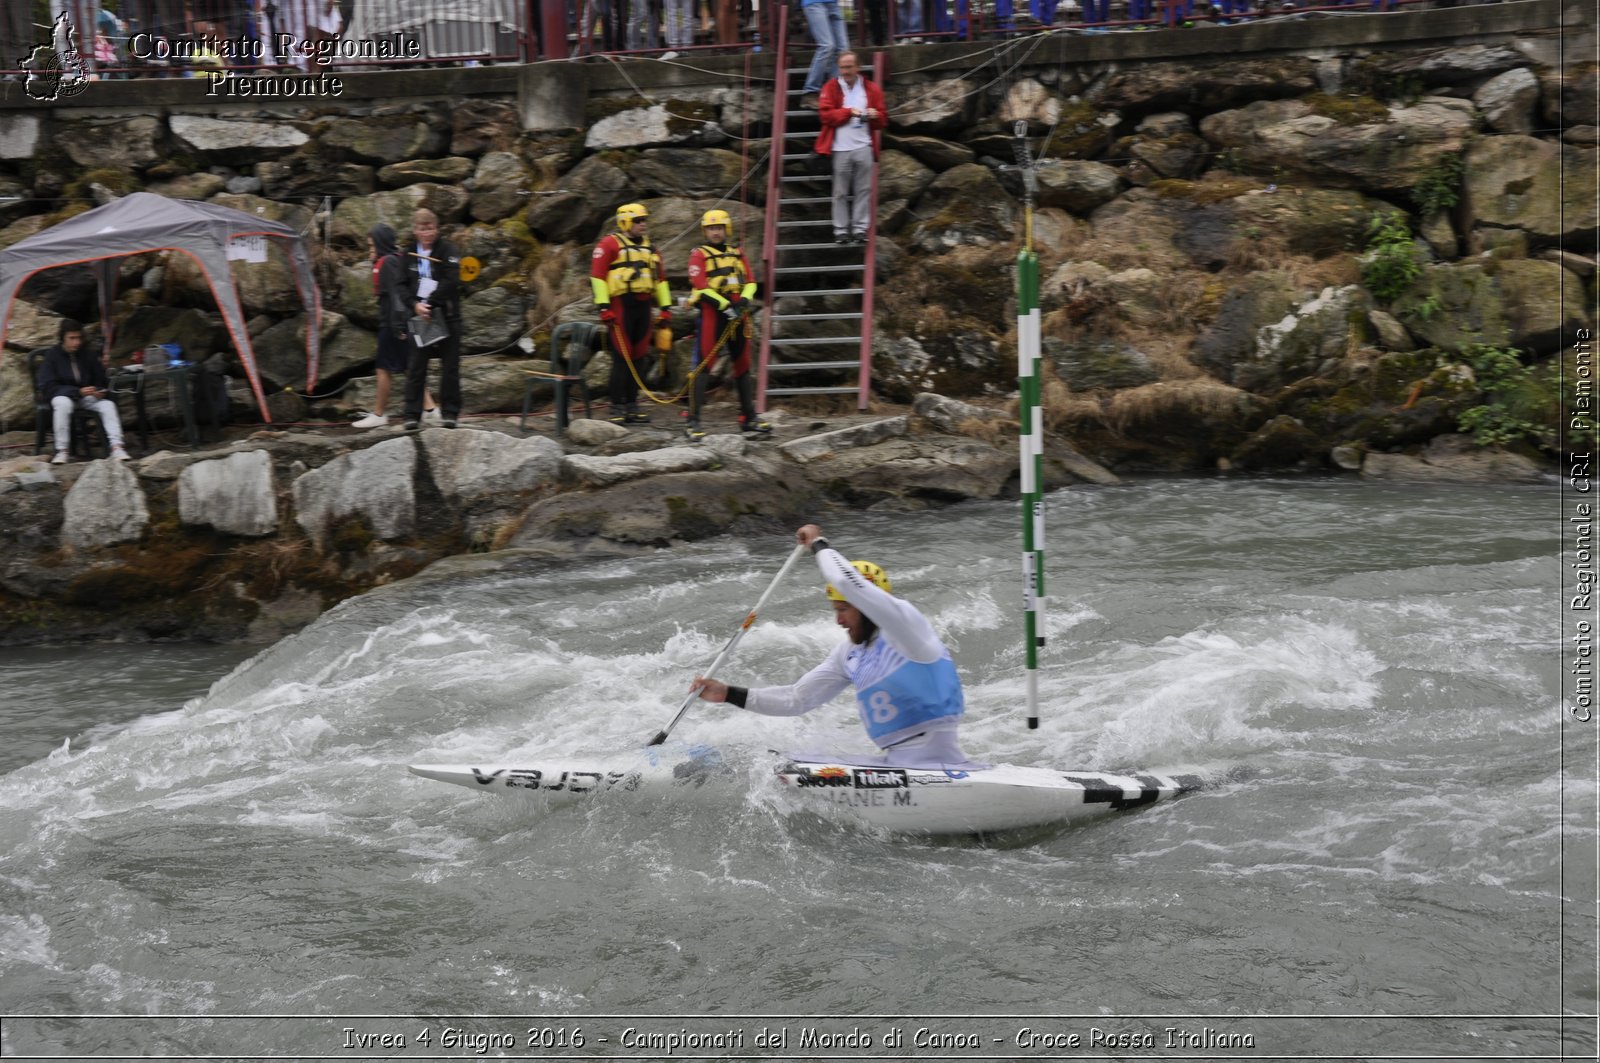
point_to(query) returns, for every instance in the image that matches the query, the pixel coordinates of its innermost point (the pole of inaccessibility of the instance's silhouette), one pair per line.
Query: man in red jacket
(630, 285)
(853, 117)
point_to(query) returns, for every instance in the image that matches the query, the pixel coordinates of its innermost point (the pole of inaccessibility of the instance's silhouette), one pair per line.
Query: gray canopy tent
(143, 222)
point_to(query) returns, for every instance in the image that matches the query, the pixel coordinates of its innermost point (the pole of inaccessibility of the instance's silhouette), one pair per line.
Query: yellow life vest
(724, 269)
(634, 268)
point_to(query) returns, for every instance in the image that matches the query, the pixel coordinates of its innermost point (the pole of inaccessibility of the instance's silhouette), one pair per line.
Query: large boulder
(1103, 365)
(1525, 303)
(685, 171)
(1571, 96)
(306, 174)
(1320, 222)
(113, 143)
(672, 121)
(375, 485)
(587, 195)
(235, 495)
(16, 391)
(195, 186)
(966, 205)
(194, 331)
(451, 170)
(31, 327)
(500, 186)
(953, 415)
(1437, 66)
(291, 214)
(1213, 86)
(356, 298)
(901, 177)
(491, 320)
(1453, 459)
(381, 140)
(1144, 220)
(104, 507)
(472, 468)
(828, 445)
(489, 384)
(281, 350)
(1076, 185)
(22, 228)
(605, 471)
(235, 141)
(938, 154)
(354, 217)
(483, 125)
(1314, 334)
(1030, 102)
(1388, 155)
(1259, 300)
(657, 510)
(1507, 101)
(19, 136)
(1179, 156)
(934, 108)
(931, 468)
(1519, 182)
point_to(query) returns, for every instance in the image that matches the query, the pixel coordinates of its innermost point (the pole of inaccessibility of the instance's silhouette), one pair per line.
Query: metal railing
(117, 39)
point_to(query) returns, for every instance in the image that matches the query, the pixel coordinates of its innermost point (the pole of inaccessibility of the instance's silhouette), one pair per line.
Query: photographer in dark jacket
(433, 293)
(70, 377)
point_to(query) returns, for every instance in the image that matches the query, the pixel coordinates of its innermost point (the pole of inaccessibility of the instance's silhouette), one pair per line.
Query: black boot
(749, 421)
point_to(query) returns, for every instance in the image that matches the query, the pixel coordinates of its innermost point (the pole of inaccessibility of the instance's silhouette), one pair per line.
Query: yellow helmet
(715, 217)
(878, 576)
(628, 213)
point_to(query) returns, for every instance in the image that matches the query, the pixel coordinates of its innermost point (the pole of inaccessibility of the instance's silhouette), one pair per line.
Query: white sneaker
(60, 458)
(432, 416)
(119, 454)
(371, 420)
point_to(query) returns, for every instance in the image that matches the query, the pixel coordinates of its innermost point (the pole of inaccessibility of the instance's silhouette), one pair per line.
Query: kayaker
(907, 689)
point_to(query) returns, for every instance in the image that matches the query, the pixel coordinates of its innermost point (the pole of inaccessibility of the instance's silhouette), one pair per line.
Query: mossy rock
(1347, 109)
(1282, 443)
(120, 182)
(601, 107)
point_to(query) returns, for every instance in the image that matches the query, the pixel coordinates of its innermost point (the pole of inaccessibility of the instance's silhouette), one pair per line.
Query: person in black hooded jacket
(389, 286)
(69, 377)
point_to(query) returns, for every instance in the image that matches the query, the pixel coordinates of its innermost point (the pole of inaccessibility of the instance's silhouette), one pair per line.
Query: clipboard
(425, 332)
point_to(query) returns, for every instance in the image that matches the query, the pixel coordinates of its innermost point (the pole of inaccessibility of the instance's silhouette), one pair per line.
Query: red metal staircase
(816, 337)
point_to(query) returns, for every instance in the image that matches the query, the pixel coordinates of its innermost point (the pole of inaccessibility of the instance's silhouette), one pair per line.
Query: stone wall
(1204, 203)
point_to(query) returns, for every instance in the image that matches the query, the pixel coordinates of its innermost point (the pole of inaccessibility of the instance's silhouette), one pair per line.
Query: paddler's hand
(807, 534)
(709, 689)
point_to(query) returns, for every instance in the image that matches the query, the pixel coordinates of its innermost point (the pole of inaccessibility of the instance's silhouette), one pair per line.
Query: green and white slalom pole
(1031, 423)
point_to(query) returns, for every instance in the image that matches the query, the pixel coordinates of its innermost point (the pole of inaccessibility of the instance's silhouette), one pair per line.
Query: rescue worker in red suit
(720, 276)
(630, 291)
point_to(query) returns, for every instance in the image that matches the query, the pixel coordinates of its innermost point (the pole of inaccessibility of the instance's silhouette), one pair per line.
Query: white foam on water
(26, 939)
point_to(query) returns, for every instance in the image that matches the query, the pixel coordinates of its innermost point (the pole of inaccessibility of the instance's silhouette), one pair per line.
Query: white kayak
(1002, 797)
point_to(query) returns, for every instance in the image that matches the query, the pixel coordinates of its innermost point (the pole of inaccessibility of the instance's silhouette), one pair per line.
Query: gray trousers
(852, 191)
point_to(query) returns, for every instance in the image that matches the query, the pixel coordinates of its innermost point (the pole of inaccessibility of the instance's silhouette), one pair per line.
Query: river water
(1389, 860)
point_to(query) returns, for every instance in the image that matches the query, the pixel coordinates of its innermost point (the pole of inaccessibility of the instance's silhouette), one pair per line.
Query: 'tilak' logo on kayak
(880, 779)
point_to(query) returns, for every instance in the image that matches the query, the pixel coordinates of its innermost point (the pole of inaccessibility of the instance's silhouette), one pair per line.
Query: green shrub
(1439, 188)
(1390, 264)
(1504, 383)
